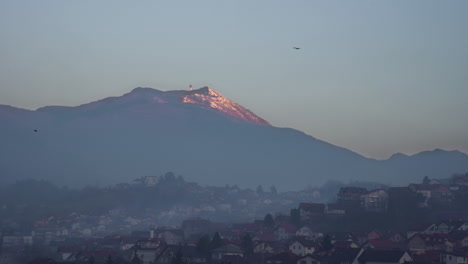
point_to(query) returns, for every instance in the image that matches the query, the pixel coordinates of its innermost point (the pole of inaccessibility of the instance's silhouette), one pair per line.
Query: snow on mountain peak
(210, 98)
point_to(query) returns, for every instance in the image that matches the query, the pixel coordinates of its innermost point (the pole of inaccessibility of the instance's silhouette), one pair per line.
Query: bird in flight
(35, 130)
(296, 48)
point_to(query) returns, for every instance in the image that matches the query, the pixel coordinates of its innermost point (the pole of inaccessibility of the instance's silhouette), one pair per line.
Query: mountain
(199, 134)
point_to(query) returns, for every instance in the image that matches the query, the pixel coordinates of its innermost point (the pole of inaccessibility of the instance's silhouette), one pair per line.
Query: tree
(260, 190)
(268, 221)
(326, 243)
(273, 190)
(403, 207)
(216, 242)
(178, 258)
(136, 260)
(295, 217)
(426, 180)
(109, 260)
(247, 245)
(204, 246)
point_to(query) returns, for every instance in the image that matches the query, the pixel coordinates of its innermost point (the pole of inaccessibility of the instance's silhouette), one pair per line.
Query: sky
(376, 77)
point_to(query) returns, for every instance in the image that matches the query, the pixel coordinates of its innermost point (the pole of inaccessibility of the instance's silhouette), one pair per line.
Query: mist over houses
(181, 222)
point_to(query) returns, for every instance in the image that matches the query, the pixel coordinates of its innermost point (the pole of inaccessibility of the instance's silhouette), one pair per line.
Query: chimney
(151, 227)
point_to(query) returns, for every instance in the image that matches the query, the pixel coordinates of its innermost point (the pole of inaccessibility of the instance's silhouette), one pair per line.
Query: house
(67, 252)
(375, 201)
(374, 234)
(282, 258)
(196, 226)
(342, 256)
(149, 180)
(244, 228)
(335, 210)
(170, 236)
(376, 256)
(463, 226)
(282, 219)
(227, 250)
(341, 236)
(350, 196)
(284, 231)
(264, 247)
(429, 257)
(440, 191)
(128, 242)
(311, 211)
(16, 241)
(264, 237)
(307, 260)
(345, 245)
(189, 254)
(122, 186)
(434, 181)
(460, 238)
(380, 244)
(460, 180)
(424, 190)
(302, 247)
(459, 256)
(147, 250)
(420, 243)
(233, 259)
(441, 227)
(306, 231)
(98, 255)
(433, 194)
(45, 235)
(42, 261)
(397, 237)
(420, 228)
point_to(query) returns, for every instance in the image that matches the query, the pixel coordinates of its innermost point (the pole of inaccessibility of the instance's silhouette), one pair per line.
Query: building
(311, 211)
(227, 250)
(376, 256)
(302, 247)
(375, 201)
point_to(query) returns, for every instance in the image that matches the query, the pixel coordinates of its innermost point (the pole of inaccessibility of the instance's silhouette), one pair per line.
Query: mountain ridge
(147, 131)
(203, 96)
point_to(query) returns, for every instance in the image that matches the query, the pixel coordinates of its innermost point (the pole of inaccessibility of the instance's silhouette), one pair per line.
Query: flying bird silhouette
(296, 48)
(35, 130)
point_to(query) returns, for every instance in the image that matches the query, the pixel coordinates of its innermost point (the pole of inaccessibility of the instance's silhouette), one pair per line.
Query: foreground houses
(353, 229)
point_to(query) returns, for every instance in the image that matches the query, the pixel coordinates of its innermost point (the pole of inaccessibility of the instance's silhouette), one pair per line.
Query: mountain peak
(209, 98)
(203, 90)
(398, 155)
(144, 90)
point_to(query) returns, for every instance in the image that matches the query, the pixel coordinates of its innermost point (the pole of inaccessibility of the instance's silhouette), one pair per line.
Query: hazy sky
(377, 77)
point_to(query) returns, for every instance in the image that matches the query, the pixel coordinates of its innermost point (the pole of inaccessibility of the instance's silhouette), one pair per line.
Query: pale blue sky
(377, 77)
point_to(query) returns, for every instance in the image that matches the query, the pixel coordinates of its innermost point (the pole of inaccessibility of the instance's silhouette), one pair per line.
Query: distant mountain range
(199, 134)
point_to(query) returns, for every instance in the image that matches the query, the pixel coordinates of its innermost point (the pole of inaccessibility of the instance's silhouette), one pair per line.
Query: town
(423, 222)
